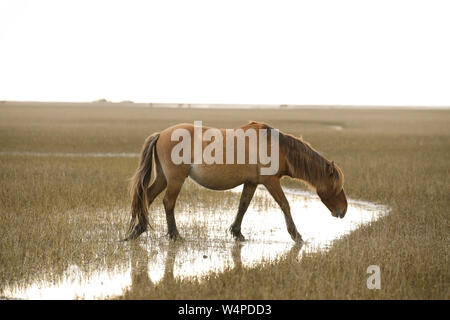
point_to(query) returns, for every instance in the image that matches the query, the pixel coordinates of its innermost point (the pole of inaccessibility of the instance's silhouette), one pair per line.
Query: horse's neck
(307, 165)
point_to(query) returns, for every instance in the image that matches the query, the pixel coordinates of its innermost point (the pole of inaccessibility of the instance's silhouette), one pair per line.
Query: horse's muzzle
(341, 213)
(337, 204)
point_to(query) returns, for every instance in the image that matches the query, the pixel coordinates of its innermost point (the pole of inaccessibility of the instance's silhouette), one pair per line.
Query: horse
(296, 159)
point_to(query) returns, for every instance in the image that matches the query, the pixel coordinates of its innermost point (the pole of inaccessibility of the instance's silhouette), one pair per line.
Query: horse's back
(216, 176)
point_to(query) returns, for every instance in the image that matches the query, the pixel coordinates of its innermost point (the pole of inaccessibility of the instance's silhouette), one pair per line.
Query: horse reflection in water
(141, 258)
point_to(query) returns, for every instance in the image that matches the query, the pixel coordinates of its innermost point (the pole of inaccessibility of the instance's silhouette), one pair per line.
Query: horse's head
(331, 192)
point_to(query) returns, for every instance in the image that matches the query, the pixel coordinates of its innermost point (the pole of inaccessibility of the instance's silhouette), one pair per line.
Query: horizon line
(194, 104)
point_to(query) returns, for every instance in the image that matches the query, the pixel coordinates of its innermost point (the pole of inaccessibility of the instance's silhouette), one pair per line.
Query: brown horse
(296, 159)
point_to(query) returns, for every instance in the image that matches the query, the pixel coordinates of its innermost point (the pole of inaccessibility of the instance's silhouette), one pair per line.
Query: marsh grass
(56, 212)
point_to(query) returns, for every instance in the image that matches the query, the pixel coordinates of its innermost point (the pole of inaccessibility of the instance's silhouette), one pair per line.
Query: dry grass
(58, 211)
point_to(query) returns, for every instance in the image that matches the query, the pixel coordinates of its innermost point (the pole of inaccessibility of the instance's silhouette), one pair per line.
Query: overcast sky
(271, 52)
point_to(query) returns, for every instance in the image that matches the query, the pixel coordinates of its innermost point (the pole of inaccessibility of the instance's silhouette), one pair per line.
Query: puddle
(154, 260)
(336, 127)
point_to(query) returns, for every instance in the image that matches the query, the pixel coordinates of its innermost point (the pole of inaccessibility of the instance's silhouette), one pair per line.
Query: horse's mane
(303, 161)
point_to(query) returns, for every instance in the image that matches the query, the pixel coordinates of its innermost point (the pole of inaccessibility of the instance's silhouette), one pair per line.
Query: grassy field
(57, 211)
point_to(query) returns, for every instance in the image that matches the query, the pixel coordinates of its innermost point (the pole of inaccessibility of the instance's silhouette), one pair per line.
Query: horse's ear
(331, 168)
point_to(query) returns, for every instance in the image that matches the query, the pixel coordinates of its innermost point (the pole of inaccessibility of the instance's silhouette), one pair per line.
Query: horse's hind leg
(246, 197)
(274, 187)
(158, 185)
(173, 189)
(156, 188)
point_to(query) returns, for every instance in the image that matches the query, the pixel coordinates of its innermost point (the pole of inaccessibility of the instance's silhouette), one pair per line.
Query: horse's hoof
(131, 237)
(175, 237)
(298, 239)
(237, 235)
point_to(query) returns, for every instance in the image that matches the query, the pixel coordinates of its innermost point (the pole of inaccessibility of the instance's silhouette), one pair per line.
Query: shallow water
(71, 154)
(336, 127)
(152, 261)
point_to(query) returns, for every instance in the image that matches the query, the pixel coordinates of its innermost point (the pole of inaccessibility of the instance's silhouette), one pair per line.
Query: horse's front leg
(246, 197)
(274, 187)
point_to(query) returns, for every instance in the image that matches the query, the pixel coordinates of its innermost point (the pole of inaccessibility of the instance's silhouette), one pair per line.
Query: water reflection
(143, 263)
(157, 261)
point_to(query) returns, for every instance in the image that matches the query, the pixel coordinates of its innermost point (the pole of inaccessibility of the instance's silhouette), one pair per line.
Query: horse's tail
(138, 189)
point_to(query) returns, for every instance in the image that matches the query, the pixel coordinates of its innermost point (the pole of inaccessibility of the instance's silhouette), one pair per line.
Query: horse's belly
(222, 177)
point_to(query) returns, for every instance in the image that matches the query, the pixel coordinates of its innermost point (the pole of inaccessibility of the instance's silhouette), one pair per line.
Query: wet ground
(207, 247)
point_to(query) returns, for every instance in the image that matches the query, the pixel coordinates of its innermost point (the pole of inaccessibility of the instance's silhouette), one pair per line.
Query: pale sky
(258, 52)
